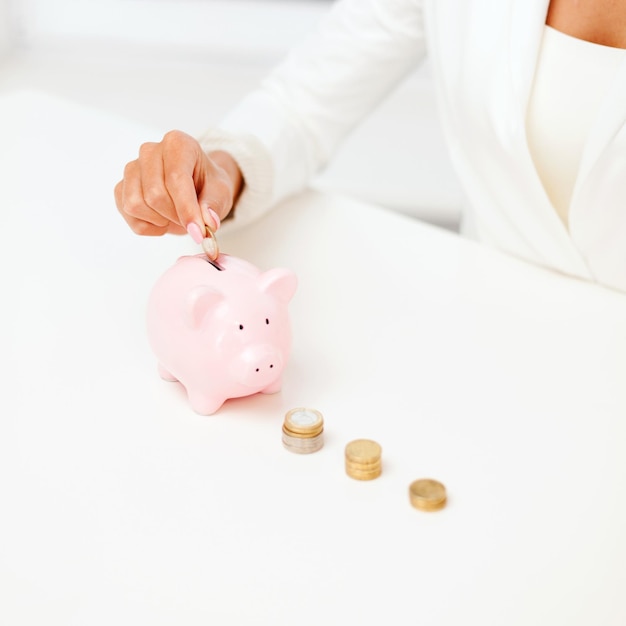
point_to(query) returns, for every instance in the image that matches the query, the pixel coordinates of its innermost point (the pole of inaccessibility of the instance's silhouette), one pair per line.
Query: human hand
(174, 187)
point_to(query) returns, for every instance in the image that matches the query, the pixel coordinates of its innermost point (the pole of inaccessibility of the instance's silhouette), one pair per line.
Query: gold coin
(365, 466)
(363, 460)
(363, 451)
(360, 474)
(209, 244)
(427, 494)
(313, 433)
(304, 421)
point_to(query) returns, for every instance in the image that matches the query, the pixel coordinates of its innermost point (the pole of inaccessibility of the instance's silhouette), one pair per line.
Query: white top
(572, 78)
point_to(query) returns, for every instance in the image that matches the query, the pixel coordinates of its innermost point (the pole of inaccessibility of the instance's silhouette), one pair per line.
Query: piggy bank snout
(258, 365)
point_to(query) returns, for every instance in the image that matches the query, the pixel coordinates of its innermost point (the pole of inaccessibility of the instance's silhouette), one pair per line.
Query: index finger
(179, 169)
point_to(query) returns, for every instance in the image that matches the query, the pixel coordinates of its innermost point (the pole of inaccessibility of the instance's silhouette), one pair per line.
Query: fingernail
(194, 232)
(211, 218)
(216, 217)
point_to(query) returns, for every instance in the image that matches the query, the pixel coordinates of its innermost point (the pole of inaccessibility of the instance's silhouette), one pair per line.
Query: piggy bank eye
(240, 326)
(267, 321)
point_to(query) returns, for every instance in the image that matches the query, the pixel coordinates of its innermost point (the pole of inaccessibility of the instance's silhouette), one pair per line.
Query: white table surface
(120, 505)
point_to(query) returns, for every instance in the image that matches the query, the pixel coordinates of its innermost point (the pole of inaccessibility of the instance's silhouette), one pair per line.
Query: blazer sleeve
(285, 131)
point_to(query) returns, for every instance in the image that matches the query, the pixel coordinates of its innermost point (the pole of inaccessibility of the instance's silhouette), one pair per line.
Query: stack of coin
(303, 430)
(427, 494)
(363, 459)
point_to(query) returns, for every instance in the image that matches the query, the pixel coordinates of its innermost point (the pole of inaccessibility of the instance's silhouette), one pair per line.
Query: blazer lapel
(610, 119)
(528, 18)
(542, 225)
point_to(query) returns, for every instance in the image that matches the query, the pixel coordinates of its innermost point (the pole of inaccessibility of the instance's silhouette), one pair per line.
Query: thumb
(215, 202)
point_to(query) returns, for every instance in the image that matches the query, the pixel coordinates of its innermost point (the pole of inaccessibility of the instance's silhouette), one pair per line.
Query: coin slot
(215, 264)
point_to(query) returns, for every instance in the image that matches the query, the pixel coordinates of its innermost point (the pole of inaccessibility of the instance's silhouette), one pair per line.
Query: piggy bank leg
(204, 403)
(165, 374)
(275, 387)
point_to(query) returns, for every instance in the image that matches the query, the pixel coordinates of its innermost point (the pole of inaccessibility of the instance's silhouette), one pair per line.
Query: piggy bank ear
(279, 283)
(201, 300)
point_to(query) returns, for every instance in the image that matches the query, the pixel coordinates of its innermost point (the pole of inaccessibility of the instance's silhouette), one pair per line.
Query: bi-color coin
(304, 421)
(303, 430)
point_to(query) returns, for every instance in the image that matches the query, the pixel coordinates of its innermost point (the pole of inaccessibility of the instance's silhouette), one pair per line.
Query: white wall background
(184, 63)
(7, 31)
(231, 27)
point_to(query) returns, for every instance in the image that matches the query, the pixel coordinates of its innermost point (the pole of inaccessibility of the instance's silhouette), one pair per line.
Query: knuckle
(117, 193)
(175, 177)
(134, 208)
(142, 228)
(174, 137)
(146, 149)
(129, 169)
(154, 197)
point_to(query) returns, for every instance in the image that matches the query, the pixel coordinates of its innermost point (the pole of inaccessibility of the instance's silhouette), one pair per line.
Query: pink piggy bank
(221, 329)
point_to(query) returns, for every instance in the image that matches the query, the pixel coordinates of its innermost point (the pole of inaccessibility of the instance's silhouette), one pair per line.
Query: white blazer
(483, 54)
